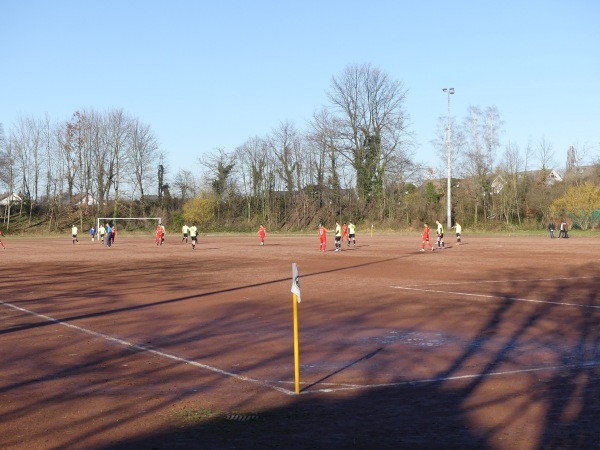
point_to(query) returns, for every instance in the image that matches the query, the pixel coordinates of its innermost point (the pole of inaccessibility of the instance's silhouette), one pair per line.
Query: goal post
(103, 220)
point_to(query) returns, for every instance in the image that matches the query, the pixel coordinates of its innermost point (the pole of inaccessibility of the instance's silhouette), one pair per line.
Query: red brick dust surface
(490, 344)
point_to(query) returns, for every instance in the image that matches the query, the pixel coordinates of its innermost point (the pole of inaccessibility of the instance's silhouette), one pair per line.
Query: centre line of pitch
(495, 297)
(143, 348)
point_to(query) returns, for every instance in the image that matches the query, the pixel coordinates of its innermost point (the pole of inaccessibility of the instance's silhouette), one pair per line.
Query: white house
(6, 199)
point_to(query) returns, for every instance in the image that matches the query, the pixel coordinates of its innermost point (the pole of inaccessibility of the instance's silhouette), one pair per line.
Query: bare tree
(324, 161)
(481, 131)
(252, 161)
(186, 184)
(285, 143)
(545, 154)
(118, 127)
(142, 152)
(372, 122)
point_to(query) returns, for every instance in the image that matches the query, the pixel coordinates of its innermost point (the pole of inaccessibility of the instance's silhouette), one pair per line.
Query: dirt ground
(492, 344)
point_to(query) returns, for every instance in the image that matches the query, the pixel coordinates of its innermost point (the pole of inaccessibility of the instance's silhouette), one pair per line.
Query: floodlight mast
(449, 154)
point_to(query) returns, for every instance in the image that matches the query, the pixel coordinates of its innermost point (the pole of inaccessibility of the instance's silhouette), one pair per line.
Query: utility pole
(449, 154)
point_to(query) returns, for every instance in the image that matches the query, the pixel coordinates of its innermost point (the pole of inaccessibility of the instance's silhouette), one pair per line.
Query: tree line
(355, 159)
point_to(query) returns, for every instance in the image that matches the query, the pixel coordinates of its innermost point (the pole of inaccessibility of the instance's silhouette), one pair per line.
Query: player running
(185, 230)
(194, 236)
(322, 238)
(2, 243)
(426, 238)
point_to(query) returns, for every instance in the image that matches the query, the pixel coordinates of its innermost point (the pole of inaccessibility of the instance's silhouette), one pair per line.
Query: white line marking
(496, 297)
(348, 387)
(148, 349)
(505, 281)
(340, 386)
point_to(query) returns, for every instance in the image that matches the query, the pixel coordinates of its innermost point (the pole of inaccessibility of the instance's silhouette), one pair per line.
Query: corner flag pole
(296, 300)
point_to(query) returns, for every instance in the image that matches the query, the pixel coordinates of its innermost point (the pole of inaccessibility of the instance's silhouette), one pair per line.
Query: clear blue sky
(207, 75)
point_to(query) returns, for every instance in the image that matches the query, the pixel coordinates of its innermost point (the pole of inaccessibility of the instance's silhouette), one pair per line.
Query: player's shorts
(74, 236)
(441, 235)
(184, 235)
(194, 238)
(351, 236)
(458, 235)
(338, 238)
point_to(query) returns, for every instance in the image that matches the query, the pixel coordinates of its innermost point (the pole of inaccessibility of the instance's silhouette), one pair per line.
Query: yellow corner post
(296, 300)
(296, 346)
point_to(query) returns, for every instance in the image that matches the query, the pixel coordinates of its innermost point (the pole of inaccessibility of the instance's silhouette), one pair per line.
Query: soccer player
(2, 243)
(322, 238)
(262, 233)
(93, 233)
(74, 234)
(426, 238)
(338, 237)
(351, 234)
(159, 234)
(194, 236)
(185, 230)
(164, 231)
(345, 233)
(109, 234)
(440, 234)
(458, 229)
(101, 233)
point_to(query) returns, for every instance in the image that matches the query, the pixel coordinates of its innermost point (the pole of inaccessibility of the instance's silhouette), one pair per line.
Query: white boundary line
(348, 387)
(143, 348)
(268, 384)
(504, 281)
(435, 291)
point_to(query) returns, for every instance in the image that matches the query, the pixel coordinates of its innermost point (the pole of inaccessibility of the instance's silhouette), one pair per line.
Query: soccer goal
(114, 220)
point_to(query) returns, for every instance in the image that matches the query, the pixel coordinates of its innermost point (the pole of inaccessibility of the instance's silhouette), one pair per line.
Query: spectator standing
(551, 228)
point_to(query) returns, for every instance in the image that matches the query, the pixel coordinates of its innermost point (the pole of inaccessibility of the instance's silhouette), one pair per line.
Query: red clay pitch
(491, 344)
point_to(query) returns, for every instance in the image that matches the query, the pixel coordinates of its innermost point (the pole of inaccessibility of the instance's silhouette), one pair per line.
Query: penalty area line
(146, 349)
(466, 294)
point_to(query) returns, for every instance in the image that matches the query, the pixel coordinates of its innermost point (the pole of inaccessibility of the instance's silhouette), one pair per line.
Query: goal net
(116, 220)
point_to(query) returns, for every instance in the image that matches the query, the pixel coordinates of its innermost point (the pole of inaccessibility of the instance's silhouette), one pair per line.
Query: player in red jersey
(345, 233)
(426, 238)
(2, 243)
(159, 234)
(262, 233)
(322, 238)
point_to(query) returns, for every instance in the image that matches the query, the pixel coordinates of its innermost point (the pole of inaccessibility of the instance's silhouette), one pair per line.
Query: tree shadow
(552, 348)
